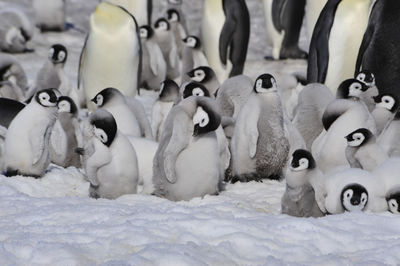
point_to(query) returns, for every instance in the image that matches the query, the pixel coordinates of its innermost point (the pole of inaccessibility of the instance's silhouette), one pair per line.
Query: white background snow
(52, 221)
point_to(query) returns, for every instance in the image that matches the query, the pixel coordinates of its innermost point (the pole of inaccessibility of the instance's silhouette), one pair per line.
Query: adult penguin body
(378, 52)
(112, 53)
(336, 40)
(50, 15)
(140, 9)
(225, 35)
(283, 24)
(313, 10)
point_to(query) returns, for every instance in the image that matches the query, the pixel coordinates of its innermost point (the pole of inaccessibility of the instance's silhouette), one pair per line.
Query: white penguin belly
(345, 38)
(274, 37)
(197, 169)
(213, 21)
(126, 120)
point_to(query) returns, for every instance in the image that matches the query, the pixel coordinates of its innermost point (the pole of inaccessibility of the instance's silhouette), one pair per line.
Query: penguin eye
(197, 92)
(143, 33)
(61, 56)
(361, 77)
(201, 117)
(355, 86)
(44, 97)
(363, 198)
(100, 134)
(259, 83)
(348, 194)
(99, 100)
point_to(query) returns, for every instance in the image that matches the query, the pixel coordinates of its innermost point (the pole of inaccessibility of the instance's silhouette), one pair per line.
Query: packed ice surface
(52, 221)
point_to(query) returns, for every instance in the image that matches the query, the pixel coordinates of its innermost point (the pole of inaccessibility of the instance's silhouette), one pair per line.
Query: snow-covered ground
(52, 221)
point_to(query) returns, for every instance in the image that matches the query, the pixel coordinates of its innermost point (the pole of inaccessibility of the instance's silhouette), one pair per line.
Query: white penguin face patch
(349, 206)
(387, 102)
(44, 99)
(303, 164)
(358, 138)
(355, 90)
(143, 33)
(174, 17)
(191, 42)
(100, 134)
(61, 56)
(261, 89)
(64, 107)
(199, 75)
(197, 92)
(201, 117)
(393, 206)
(361, 77)
(163, 25)
(99, 100)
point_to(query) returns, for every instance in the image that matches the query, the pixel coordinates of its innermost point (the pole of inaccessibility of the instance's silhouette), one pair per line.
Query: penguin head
(46, 98)
(173, 15)
(66, 105)
(393, 201)
(194, 89)
(302, 160)
(58, 54)
(366, 77)
(206, 117)
(146, 32)
(387, 101)
(201, 74)
(162, 24)
(351, 88)
(104, 126)
(265, 83)
(359, 137)
(192, 41)
(354, 197)
(105, 96)
(169, 91)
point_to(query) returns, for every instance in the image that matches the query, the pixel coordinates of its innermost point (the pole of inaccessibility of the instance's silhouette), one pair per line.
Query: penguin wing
(173, 55)
(178, 142)
(37, 140)
(252, 131)
(334, 110)
(99, 157)
(278, 8)
(157, 61)
(140, 114)
(82, 61)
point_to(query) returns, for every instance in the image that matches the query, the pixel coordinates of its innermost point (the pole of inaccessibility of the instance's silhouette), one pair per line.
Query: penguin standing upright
(192, 56)
(112, 54)
(140, 9)
(225, 36)
(336, 40)
(283, 24)
(174, 19)
(50, 15)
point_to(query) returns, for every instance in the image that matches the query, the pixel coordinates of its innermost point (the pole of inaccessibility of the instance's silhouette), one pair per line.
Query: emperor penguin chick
(154, 68)
(299, 198)
(389, 139)
(192, 57)
(26, 147)
(130, 117)
(259, 146)
(169, 94)
(111, 163)
(386, 106)
(174, 19)
(368, 79)
(206, 76)
(180, 169)
(363, 151)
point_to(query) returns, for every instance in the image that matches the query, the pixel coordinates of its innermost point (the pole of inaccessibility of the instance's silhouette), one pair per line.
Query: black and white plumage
(386, 107)
(393, 200)
(206, 76)
(354, 197)
(354, 88)
(9, 109)
(26, 147)
(194, 89)
(259, 146)
(180, 169)
(50, 15)
(389, 139)
(109, 160)
(192, 57)
(368, 79)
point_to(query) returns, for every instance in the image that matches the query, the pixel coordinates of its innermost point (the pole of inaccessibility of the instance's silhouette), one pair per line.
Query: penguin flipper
(37, 138)
(154, 58)
(173, 55)
(81, 62)
(178, 141)
(278, 8)
(252, 127)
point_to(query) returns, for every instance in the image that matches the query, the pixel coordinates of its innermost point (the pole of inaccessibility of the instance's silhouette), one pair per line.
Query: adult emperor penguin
(225, 33)
(169, 95)
(128, 113)
(110, 160)
(299, 198)
(283, 23)
(26, 147)
(192, 56)
(101, 64)
(140, 9)
(154, 69)
(259, 146)
(362, 150)
(335, 42)
(378, 52)
(180, 169)
(206, 76)
(50, 15)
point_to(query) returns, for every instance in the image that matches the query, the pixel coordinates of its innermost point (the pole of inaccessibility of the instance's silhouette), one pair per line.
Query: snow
(52, 221)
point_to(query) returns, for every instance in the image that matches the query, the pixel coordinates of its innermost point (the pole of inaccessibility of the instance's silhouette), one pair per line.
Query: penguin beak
(376, 99)
(348, 138)
(94, 100)
(190, 74)
(196, 130)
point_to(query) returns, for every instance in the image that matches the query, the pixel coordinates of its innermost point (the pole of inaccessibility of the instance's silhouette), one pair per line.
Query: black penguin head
(146, 32)
(192, 41)
(169, 91)
(58, 54)
(354, 197)
(105, 96)
(46, 98)
(366, 77)
(173, 15)
(66, 105)
(393, 201)
(104, 126)
(301, 160)
(265, 83)
(351, 88)
(206, 117)
(163, 24)
(201, 74)
(194, 89)
(387, 101)
(359, 137)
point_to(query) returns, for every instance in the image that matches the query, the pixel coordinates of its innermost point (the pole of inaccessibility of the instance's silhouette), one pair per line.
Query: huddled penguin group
(210, 123)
